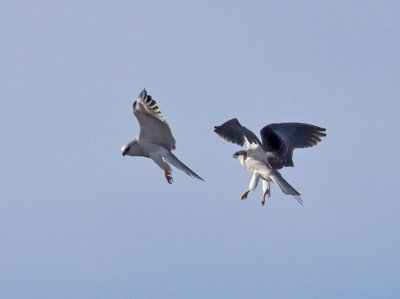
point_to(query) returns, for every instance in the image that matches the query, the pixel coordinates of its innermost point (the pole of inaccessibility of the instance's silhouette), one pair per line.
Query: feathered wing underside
(232, 131)
(294, 135)
(153, 127)
(280, 139)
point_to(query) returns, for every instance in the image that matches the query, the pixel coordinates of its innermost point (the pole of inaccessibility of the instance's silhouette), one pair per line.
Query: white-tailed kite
(155, 139)
(262, 159)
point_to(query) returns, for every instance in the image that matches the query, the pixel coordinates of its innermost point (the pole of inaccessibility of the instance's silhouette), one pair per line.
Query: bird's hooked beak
(242, 154)
(124, 150)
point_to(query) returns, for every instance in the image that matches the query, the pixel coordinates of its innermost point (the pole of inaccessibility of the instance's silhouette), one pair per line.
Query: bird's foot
(244, 195)
(266, 194)
(168, 177)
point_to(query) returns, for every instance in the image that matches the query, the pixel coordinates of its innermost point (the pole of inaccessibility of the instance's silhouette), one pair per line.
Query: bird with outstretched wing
(274, 151)
(155, 139)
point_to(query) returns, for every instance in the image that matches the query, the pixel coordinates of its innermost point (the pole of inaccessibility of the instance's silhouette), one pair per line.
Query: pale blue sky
(78, 220)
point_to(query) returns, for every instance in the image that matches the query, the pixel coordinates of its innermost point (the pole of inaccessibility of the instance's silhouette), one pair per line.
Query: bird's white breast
(256, 165)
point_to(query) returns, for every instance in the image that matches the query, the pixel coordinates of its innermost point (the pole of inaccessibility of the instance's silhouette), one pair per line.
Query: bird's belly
(253, 165)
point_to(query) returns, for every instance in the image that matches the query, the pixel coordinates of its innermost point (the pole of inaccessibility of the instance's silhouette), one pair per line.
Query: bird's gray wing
(234, 132)
(280, 139)
(153, 127)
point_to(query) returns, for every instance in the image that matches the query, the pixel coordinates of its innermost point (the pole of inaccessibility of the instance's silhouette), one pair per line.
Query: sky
(78, 220)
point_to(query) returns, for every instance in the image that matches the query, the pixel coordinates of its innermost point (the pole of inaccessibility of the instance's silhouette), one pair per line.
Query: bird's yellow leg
(245, 194)
(168, 177)
(266, 193)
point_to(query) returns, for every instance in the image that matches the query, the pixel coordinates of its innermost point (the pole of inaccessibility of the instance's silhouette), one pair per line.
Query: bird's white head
(240, 155)
(131, 149)
(124, 149)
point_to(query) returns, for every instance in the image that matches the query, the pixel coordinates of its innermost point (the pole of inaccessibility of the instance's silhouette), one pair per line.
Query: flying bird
(155, 139)
(264, 158)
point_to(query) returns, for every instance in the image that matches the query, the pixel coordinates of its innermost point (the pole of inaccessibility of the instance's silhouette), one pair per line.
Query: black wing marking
(281, 139)
(153, 126)
(148, 104)
(293, 135)
(234, 132)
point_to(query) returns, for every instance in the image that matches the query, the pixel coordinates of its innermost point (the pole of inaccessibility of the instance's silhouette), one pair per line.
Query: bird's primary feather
(280, 140)
(234, 132)
(153, 126)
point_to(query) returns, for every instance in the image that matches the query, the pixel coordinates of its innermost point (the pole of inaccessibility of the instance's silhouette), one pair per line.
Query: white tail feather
(171, 158)
(285, 186)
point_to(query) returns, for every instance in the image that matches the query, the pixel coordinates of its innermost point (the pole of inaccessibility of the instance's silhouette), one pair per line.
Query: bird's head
(240, 155)
(131, 149)
(124, 149)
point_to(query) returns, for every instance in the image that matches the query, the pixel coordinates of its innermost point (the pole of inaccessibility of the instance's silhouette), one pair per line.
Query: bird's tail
(285, 186)
(171, 158)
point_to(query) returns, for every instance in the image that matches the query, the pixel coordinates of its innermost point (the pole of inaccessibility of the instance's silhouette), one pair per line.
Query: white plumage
(262, 159)
(155, 139)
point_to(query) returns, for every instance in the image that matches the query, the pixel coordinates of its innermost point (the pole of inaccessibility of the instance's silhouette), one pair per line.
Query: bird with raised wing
(263, 158)
(155, 139)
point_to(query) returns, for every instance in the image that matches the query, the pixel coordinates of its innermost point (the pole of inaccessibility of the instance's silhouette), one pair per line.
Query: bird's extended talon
(168, 177)
(244, 195)
(266, 194)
